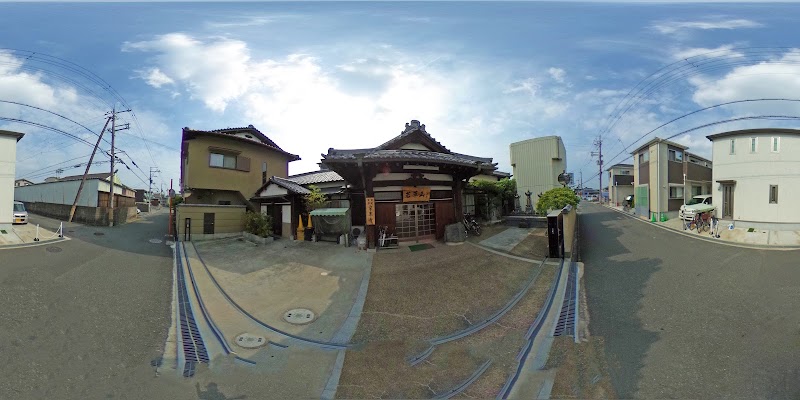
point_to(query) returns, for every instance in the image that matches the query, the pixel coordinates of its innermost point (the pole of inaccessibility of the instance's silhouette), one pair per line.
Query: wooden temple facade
(412, 184)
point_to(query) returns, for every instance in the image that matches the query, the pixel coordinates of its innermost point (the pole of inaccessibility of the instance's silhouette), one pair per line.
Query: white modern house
(536, 165)
(757, 177)
(8, 162)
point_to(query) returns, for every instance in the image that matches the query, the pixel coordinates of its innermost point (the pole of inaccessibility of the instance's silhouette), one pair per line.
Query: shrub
(556, 199)
(258, 224)
(314, 200)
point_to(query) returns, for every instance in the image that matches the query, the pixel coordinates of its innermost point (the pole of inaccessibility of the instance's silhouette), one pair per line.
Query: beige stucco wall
(227, 220)
(199, 175)
(536, 165)
(754, 173)
(570, 221)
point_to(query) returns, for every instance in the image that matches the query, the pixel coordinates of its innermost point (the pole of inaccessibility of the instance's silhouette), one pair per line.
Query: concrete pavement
(686, 321)
(85, 318)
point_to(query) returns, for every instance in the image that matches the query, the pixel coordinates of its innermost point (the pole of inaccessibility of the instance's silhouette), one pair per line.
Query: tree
(314, 200)
(556, 199)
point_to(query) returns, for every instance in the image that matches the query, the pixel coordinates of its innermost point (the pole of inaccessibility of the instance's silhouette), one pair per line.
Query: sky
(311, 76)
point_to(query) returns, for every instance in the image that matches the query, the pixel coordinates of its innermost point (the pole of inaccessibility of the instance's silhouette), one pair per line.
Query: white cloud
(216, 72)
(527, 85)
(779, 78)
(557, 74)
(725, 51)
(155, 78)
(671, 27)
(308, 103)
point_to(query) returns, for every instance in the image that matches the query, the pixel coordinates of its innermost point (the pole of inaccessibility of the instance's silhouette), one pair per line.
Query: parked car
(697, 204)
(20, 214)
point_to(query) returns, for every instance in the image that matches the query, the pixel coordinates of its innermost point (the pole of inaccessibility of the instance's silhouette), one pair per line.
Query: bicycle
(702, 223)
(690, 224)
(470, 224)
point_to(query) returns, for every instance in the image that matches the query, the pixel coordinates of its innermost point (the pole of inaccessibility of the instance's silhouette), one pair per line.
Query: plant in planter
(258, 224)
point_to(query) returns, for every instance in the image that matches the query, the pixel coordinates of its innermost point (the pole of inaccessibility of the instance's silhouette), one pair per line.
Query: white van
(20, 214)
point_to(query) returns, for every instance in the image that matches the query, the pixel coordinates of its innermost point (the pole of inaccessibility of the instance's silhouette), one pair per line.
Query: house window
(263, 172)
(222, 160)
(675, 192)
(675, 155)
(644, 157)
(773, 194)
(697, 190)
(776, 144)
(626, 172)
(733, 146)
(753, 144)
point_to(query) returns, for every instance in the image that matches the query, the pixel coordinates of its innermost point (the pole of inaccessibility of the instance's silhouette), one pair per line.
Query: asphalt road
(683, 318)
(86, 321)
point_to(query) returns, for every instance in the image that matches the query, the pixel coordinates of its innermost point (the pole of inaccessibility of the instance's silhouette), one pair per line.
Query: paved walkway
(15, 235)
(507, 239)
(739, 236)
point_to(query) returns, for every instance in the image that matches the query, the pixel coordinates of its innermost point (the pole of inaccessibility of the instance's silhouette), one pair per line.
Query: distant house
(665, 176)
(22, 182)
(536, 165)
(757, 177)
(620, 183)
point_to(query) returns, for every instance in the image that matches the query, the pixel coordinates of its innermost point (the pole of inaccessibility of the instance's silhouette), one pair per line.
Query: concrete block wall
(97, 216)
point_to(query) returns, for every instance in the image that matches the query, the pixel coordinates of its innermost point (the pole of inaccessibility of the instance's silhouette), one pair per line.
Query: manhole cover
(250, 341)
(155, 240)
(299, 316)
(54, 249)
(99, 233)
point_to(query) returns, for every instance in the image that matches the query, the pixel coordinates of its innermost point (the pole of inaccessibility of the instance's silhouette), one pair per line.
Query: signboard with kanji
(411, 193)
(370, 211)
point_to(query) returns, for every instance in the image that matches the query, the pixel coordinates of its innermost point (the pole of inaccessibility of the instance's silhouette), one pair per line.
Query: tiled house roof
(310, 178)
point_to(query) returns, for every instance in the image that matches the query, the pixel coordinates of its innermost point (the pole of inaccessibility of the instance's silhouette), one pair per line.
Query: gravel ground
(582, 372)
(395, 324)
(424, 294)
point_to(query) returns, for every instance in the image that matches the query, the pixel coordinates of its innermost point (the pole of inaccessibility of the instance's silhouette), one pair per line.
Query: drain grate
(54, 249)
(566, 320)
(194, 349)
(99, 233)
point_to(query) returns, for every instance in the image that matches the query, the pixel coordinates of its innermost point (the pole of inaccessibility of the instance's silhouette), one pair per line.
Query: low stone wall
(97, 216)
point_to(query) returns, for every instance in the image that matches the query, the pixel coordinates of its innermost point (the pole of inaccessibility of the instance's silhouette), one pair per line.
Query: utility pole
(599, 153)
(153, 170)
(86, 172)
(114, 129)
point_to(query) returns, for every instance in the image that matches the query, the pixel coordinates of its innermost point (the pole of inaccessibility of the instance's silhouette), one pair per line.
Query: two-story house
(228, 166)
(665, 177)
(221, 173)
(757, 177)
(620, 183)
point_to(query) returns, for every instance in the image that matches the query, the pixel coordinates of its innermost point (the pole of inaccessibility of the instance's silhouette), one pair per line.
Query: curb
(718, 241)
(32, 244)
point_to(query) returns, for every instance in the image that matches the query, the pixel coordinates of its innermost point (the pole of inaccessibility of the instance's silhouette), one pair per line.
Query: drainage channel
(194, 350)
(566, 325)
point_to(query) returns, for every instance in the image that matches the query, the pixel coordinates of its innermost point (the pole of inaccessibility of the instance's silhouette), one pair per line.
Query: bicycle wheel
(477, 230)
